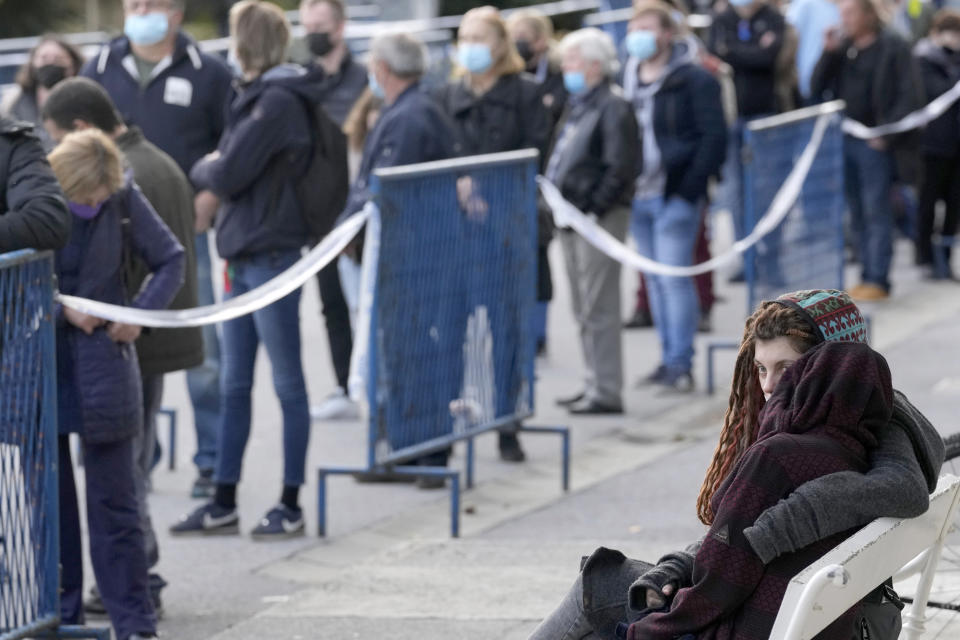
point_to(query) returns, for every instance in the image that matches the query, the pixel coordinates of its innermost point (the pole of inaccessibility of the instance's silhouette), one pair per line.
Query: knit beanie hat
(831, 313)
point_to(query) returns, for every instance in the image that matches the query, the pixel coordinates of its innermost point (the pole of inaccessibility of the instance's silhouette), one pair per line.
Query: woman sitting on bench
(771, 505)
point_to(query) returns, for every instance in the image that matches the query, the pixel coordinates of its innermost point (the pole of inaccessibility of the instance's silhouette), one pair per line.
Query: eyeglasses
(133, 6)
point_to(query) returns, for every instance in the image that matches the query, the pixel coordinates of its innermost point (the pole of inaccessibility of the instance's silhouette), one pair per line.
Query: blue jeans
(868, 177)
(203, 382)
(278, 326)
(666, 231)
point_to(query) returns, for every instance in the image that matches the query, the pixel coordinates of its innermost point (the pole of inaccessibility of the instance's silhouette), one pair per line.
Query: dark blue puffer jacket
(98, 380)
(264, 150)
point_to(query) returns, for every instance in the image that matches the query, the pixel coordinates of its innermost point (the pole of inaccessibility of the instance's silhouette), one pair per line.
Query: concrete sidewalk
(388, 567)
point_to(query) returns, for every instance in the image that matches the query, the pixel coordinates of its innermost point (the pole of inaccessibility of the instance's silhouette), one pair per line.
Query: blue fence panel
(806, 250)
(451, 351)
(29, 575)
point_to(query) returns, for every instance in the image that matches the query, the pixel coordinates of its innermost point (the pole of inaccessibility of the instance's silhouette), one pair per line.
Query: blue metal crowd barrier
(806, 251)
(451, 351)
(29, 520)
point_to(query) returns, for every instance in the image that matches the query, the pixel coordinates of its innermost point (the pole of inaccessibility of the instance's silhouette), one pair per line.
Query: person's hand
(472, 204)
(658, 599)
(119, 332)
(82, 321)
(205, 204)
(832, 39)
(767, 39)
(877, 144)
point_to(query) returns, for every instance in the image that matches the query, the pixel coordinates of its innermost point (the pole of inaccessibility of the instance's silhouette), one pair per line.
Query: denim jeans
(278, 327)
(868, 176)
(666, 231)
(203, 382)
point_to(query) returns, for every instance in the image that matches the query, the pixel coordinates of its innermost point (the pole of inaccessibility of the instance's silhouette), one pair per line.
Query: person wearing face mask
(98, 376)
(496, 107)
(939, 60)
(343, 80)
(162, 82)
(748, 35)
(532, 34)
(594, 161)
(53, 59)
(683, 137)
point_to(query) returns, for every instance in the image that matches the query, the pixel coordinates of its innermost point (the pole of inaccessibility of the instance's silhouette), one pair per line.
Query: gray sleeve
(894, 486)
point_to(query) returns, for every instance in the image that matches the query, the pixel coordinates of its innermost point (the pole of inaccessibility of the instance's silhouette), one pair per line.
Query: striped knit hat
(831, 313)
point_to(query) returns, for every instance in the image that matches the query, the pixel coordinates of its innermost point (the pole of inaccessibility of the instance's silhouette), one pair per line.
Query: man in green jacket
(80, 103)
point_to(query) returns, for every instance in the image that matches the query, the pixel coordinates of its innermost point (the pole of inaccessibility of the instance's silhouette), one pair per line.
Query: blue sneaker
(280, 523)
(209, 520)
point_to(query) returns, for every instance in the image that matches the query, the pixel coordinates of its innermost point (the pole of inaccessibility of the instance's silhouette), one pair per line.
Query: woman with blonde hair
(496, 107)
(98, 377)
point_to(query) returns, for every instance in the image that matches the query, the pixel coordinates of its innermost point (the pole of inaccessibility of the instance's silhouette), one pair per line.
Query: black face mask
(319, 43)
(49, 74)
(525, 50)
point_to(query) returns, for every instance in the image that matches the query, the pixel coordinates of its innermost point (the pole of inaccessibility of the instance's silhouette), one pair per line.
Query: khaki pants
(595, 294)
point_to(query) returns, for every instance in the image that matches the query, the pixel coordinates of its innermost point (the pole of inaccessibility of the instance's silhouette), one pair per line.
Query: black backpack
(323, 186)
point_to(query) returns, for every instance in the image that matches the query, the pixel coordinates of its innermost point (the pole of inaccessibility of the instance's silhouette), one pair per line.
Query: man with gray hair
(412, 128)
(594, 164)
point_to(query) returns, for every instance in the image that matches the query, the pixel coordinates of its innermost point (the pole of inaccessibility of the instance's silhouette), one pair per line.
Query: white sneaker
(336, 406)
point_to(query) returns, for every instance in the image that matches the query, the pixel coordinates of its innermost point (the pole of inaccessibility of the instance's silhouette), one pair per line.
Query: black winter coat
(508, 117)
(754, 66)
(601, 163)
(691, 131)
(939, 71)
(33, 211)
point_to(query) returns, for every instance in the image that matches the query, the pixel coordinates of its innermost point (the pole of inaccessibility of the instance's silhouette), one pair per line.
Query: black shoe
(652, 378)
(641, 319)
(677, 381)
(593, 408)
(430, 483)
(571, 400)
(705, 325)
(510, 450)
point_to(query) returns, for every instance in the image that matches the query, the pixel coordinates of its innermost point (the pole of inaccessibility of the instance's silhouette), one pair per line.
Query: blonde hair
(533, 19)
(86, 160)
(662, 10)
(510, 62)
(260, 33)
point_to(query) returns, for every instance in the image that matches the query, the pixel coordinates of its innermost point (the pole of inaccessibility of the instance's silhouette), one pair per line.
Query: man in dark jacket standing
(80, 103)
(748, 35)
(939, 60)
(683, 134)
(344, 80)
(161, 81)
(33, 213)
(594, 163)
(872, 70)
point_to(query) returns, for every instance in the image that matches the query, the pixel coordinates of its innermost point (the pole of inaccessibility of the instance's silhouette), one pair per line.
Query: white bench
(822, 592)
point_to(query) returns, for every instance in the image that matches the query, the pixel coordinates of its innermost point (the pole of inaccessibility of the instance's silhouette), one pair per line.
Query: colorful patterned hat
(832, 313)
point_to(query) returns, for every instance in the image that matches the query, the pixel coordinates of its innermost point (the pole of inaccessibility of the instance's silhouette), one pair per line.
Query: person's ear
(80, 125)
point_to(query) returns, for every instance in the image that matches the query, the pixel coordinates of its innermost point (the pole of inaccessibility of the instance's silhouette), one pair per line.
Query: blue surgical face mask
(85, 211)
(575, 82)
(642, 44)
(741, 3)
(474, 57)
(147, 29)
(375, 87)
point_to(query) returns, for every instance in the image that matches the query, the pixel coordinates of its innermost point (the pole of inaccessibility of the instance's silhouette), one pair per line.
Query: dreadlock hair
(771, 320)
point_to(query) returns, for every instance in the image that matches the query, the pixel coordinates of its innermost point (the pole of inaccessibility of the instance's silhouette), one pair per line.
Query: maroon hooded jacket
(819, 420)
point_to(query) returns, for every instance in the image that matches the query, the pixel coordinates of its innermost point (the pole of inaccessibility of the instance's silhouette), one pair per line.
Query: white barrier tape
(567, 215)
(285, 283)
(915, 120)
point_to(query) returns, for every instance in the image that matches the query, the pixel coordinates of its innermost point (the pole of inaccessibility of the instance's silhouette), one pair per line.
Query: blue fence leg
(321, 503)
(470, 460)
(455, 505)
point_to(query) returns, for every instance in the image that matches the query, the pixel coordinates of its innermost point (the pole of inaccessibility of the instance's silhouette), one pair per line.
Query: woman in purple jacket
(98, 378)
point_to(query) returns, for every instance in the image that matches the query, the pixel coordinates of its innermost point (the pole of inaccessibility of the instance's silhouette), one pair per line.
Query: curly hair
(771, 320)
